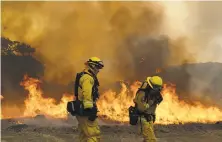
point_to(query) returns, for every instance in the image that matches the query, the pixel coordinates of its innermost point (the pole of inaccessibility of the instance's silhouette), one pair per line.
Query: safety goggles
(98, 65)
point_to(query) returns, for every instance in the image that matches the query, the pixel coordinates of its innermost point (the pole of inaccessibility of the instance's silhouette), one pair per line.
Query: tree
(16, 61)
(6, 46)
(15, 48)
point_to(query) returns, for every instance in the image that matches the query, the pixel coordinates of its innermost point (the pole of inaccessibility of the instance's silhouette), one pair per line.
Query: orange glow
(114, 106)
(158, 70)
(36, 104)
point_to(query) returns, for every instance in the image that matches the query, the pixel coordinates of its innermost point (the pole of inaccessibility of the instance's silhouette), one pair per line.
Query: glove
(91, 113)
(159, 99)
(154, 118)
(92, 117)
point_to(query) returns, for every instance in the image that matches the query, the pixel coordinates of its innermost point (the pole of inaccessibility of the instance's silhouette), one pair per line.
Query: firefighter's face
(96, 70)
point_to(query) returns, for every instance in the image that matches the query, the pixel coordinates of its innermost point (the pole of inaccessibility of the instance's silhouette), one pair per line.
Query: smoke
(133, 38)
(206, 86)
(66, 34)
(207, 30)
(201, 24)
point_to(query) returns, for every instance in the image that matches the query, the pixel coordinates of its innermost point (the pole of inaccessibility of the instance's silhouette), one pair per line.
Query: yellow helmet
(95, 62)
(155, 82)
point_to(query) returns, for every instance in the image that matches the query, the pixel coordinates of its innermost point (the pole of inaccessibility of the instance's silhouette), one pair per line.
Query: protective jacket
(86, 89)
(146, 101)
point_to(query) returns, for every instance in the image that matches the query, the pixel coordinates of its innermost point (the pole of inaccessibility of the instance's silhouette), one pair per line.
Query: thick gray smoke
(205, 82)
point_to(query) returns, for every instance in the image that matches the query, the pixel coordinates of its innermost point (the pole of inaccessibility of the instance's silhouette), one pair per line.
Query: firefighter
(88, 94)
(147, 98)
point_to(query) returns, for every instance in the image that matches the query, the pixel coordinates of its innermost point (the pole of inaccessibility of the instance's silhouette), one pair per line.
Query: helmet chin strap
(93, 70)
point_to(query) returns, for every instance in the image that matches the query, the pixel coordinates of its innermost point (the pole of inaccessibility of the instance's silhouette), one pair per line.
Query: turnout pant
(89, 131)
(147, 130)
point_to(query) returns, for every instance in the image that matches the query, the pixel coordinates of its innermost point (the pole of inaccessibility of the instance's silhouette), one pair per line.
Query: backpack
(76, 107)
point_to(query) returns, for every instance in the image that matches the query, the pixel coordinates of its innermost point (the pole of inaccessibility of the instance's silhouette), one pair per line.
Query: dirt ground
(44, 130)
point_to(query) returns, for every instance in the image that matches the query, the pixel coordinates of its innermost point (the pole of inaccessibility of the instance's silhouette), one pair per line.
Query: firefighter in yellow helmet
(87, 86)
(147, 98)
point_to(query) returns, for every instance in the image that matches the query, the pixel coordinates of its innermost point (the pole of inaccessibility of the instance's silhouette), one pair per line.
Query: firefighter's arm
(140, 100)
(87, 84)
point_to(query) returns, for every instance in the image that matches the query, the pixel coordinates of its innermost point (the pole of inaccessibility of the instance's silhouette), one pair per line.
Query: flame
(1, 108)
(158, 70)
(171, 111)
(35, 103)
(114, 106)
(11, 111)
(18, 122)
